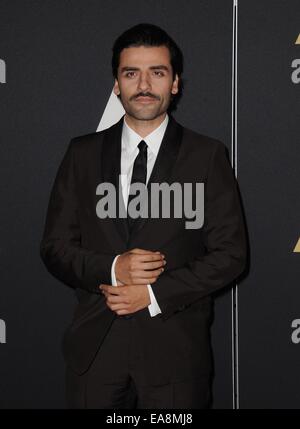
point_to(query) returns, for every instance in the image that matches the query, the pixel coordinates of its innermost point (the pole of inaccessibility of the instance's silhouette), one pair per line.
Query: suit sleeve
(225, 242)
(60, 248)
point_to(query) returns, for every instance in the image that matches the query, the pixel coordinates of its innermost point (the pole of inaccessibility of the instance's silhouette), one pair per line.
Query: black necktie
(139, 174)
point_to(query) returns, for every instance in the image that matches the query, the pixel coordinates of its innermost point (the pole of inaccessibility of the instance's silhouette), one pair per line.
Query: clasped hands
(134, 270)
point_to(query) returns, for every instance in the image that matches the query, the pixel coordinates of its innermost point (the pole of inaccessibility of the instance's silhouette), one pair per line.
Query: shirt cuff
(153, 307)
(113, 274)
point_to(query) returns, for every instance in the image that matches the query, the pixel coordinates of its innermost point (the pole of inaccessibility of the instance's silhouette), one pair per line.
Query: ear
(116, 88)
(175, 84)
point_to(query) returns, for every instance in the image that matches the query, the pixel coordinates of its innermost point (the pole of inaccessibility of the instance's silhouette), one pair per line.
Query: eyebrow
(158, 67)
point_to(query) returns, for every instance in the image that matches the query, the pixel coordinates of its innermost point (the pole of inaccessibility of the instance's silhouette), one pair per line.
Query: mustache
(146, 94)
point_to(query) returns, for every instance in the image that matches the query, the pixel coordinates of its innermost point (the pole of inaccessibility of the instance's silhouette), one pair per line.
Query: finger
(143, 282)
(113, 299)
(152, 265)
(122, 312)
(114, 290)
(147, 274)
(150, 258)
(120, 306)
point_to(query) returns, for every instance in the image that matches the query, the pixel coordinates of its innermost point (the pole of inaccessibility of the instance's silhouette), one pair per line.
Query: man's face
(145, 81)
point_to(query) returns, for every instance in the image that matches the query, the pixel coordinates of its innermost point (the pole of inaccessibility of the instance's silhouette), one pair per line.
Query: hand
(139, 266)
(126, 299)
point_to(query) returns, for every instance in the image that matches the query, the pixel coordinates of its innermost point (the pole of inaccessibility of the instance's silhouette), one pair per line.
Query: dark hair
(145, 34)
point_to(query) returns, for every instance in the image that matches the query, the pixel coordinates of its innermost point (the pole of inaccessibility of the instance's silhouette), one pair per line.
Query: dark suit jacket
(78, 248)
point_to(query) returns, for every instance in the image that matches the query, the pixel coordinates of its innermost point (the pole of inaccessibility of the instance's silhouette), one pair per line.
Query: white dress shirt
(129, 151)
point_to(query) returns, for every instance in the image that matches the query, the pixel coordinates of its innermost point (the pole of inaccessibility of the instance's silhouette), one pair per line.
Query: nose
(144, 82)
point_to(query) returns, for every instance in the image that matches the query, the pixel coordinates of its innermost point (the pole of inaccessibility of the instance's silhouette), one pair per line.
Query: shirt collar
(130, 139)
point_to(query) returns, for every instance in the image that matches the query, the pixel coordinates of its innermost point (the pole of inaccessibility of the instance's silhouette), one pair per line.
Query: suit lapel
(111, 169)
(162, 170)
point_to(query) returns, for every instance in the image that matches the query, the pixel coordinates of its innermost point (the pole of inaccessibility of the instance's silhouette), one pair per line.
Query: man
(140, 333)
